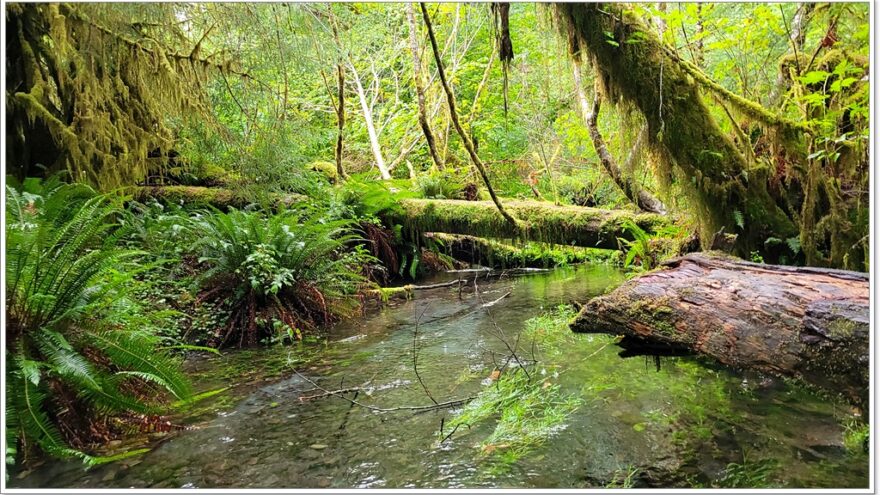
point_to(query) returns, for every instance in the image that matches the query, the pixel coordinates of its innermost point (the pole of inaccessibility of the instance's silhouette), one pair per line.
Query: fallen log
(536, 221)
(811, 324)
(497, 254)
(214, 196)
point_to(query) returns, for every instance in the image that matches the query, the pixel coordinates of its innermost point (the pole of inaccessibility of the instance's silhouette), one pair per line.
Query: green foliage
(527, 412)
(856, 435)
(749, 474)
(528, 409)
(292, 263)
(76, 343)
(639, 248)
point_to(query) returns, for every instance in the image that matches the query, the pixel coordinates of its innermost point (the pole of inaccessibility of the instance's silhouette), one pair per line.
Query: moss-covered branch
(634, 67)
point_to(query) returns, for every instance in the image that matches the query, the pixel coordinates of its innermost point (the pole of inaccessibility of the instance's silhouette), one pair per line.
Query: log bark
(810, 324)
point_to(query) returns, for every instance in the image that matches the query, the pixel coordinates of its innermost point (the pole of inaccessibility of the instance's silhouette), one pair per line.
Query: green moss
(538, 221)
(842, 328)
(214, 196)
(327, 169)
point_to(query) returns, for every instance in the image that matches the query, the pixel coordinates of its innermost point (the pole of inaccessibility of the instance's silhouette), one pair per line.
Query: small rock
(317, 446)
(323, 483)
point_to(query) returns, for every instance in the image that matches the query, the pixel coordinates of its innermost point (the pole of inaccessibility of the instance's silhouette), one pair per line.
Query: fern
(294, 264)
(69, 321)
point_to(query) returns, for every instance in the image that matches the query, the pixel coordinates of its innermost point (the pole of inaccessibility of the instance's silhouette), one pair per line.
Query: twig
(502, 337)
(441, 405)
(327, 393)
(416, 355)
(496, 301)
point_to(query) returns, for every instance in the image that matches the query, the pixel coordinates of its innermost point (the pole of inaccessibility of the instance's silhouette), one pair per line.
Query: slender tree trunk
(450, 99)
(698, 37)
(371, 128)
(340, 120)
(630, 188)
(796, 35)
(420, 88)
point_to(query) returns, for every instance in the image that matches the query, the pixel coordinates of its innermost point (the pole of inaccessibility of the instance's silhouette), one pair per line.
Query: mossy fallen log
(811, 324)
(214, 196)
(536, 221)
(497, 254)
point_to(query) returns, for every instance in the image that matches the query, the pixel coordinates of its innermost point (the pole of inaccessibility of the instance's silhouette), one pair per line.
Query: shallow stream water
(690, 423)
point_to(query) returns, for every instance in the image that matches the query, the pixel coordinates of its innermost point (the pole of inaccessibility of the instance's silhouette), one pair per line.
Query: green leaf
(814, 76)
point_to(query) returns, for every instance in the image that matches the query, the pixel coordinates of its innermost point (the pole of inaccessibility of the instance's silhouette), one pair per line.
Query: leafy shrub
(289, 267)
(77, 345)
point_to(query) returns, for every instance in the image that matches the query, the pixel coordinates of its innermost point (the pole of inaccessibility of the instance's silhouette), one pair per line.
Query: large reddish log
(811, 324)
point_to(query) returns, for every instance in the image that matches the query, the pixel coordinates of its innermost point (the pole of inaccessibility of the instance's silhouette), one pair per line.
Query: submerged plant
(77, 346)
(528, 412)
(291, 266)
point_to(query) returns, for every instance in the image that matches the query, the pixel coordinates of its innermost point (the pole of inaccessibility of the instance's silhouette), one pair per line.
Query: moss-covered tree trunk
(634, 67)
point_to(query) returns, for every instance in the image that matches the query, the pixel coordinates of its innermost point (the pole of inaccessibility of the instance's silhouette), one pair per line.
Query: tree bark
(806, 323)
(420, 88)
(453, 114)
(681, 128)
(630, 188)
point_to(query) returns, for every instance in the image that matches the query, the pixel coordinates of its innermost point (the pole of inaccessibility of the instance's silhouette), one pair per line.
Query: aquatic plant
(527, 412)
(291, 266)
(78, 348)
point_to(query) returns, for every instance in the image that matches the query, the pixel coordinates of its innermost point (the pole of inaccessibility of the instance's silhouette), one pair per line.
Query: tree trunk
(453, 115)
(630, 188)
(807, 323)
(681, 128)
(340, 121)
(420, 88)
(371, 128)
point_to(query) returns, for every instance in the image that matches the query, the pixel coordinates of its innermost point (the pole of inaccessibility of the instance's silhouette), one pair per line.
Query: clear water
(679, 426)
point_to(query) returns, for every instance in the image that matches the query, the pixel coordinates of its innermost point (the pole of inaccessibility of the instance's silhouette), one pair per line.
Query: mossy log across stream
(810, 324)
(537, 220)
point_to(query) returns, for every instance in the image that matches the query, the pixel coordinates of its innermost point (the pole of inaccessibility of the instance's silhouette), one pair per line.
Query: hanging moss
(89, 95)
(685, 138)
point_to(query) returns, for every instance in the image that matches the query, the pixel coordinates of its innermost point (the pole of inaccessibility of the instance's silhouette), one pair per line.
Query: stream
(690, 423)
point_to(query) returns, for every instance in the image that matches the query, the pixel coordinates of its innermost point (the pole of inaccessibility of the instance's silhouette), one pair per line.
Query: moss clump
(657, 314)
(327, 169)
